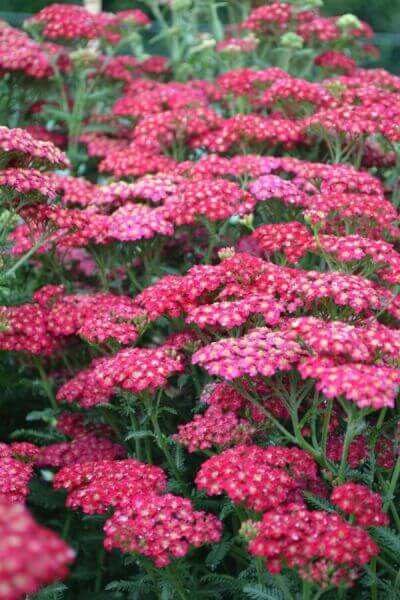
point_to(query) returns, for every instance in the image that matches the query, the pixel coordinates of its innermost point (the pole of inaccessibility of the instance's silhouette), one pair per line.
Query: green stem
(99, 571)
(161, 441)
(23, 258)
(281, 583)
(147, 448)
(176, 582)
(325, 427)
(240, 388)
(217, 28)
(259, 569)
(319, 594)
(381, 418)
(213, 240)
(348, 438)
(397, 581)
(135, 427)
(67, 525)
(306, 590)
(374, 590)
(163, 445)
(386, 565)
(393, 484)
(46, 384)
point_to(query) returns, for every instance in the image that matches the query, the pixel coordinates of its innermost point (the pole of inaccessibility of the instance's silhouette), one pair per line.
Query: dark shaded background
(382, 15)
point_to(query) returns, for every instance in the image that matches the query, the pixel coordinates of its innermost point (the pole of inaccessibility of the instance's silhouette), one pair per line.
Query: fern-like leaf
(259, 592)
(51, 592)
(218, 553)
(386, 539)
(318, 502)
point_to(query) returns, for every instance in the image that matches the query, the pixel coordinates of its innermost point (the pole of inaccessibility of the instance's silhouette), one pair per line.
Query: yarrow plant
(199, 305)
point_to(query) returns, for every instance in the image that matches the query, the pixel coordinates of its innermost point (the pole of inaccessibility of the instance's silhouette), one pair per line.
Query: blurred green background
(382, 15)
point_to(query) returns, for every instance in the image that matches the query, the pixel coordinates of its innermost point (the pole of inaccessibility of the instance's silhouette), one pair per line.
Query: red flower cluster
(269, 18)
(15, 475)
(18, 52)
(358, 500)
(89, 444)
(169, 171)
(139, 369)
(96, 486)
(161, 527)
(215, 428)
(28, 180)
(21, 145)
(261, 478)
(71, 22)
(30, 555)
(324, 547)
(215, 199)
(85, 389)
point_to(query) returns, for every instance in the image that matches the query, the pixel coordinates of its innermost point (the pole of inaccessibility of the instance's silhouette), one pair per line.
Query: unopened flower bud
(192, 347)
(310, 4)
(141, 322)
(225, 253)
(348, 21)
(178, 5)
(291, 40)
(85, 57)
(247, 221)
(206, 42)
(8, 219)
(249, 530)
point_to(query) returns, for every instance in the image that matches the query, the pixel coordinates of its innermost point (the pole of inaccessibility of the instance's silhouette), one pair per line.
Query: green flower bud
(206, 43)
(178, 5)
(348, 21)
(85, 57)
(247, 221)
(304, 5)
(9, 219)
(225, 253)
(291, 40)
(249, 530)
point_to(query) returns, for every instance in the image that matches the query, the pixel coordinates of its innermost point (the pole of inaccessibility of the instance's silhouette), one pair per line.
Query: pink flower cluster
(215, 428)
(94, 487)
(323, 546)
(139, 369)
(19, 53)
(161, 527)
(261, 478)
(15, 475)
(31, 556)
(88, 445)
(18, 143)
(358, 500)
(71, 22)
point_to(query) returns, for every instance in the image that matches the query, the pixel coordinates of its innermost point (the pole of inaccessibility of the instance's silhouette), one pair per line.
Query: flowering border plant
(199, 305)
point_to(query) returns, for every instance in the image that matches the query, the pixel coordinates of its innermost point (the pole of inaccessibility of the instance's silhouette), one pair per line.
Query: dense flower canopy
(199, 304)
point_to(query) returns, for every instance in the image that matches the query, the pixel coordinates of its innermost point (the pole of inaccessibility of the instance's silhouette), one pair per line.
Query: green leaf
(122, 586)
(224, 582)
(169, 410)
(318, 502)
(38, 436)
(386, 538)
(57, 113)
(51, 592)
(259, 592)
(182, 380)
(227, 509)
(46, 415)
(139, 435)
(218, 553)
